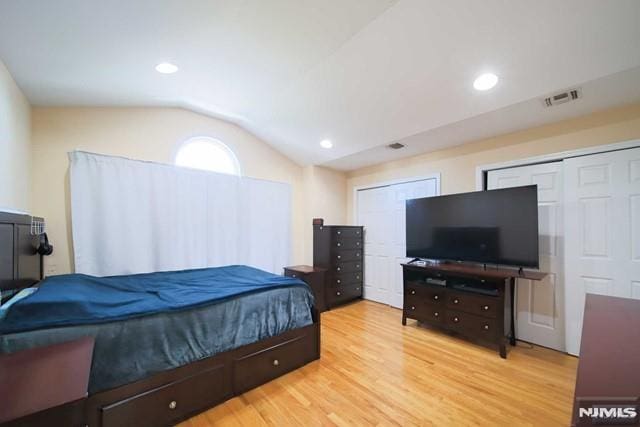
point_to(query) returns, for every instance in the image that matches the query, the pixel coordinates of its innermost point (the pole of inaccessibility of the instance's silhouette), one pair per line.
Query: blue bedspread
(77, 299)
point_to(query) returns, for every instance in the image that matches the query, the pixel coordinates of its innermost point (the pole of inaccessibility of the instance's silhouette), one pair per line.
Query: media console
(465, 299)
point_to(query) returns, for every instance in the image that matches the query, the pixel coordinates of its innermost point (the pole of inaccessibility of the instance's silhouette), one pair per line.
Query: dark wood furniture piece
(471, 304)
(609, 366)
(46, 385)
(312, 276)
(177, 394)
(339, 250)
(20, 263)
(171, 396)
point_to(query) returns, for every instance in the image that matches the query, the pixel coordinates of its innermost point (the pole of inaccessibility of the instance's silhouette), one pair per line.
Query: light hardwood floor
(374, 371)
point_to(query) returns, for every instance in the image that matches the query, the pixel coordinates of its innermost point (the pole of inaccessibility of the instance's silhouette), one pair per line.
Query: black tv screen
(491, 227)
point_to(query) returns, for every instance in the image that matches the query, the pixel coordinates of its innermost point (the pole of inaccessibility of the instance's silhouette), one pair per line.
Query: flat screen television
(490, 227)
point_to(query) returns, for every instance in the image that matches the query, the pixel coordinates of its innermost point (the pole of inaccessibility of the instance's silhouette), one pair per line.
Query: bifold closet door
(540, 304)
(373, 213)
(602, 198)
(381, 211)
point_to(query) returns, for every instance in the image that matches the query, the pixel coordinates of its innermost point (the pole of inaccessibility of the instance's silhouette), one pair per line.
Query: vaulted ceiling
(362, 73)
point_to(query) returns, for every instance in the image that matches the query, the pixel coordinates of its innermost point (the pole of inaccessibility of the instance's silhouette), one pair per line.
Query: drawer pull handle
(276, 362)
(357, 265)
(413, 292)
(413, 307)
(486, 327)
(338, 268)
(358, 254)
(485, 307)
(357, 243)
(357, 288)
(436, 297)
(357, 276)
(173, 404)
(338, 281)
(293, 275)
(436, 314)
(339, 244)
(339, 232)
(455, 319)
(455, 301)
(339, 256)
(338, 293)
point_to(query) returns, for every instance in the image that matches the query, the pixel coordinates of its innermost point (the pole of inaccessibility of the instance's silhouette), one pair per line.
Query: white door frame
(553, 157)
(357, 188)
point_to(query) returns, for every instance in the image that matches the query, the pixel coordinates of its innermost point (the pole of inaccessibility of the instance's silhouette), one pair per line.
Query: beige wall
(457, 165)
(325, 197)
(153, 134)
(15, 144)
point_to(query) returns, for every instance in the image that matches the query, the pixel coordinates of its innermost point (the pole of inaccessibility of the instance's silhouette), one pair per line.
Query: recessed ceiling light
(166, 68)
(485, 81)
(325, 143)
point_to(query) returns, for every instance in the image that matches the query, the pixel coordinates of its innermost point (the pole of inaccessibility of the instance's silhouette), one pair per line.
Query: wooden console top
(491, 272)
(609, 366)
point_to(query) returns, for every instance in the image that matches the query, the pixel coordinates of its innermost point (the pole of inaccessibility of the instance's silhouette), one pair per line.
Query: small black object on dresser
(312, 276)
(339, 250)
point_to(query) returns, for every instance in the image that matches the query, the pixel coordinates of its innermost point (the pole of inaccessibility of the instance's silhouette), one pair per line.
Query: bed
(159, 363)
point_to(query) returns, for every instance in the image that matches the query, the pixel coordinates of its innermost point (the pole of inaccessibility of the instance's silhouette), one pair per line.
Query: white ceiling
(363, 73)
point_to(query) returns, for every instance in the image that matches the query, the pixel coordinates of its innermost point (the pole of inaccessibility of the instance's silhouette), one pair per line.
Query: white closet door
(399, 194)
(540, 304)
(381, 211)
(602, 233)
(373, 213)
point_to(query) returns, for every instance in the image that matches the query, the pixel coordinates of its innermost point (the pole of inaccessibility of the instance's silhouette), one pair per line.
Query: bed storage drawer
(257, 368)
(171, 402)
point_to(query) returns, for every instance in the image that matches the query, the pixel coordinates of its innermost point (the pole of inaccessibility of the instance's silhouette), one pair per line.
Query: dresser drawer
(341, 255)
(258, 368)
(417, 308)
(475, 304)
(344, 293)
(347, 244)
(347, 233)
(429, 294)
(171, 402)
(347, 267)
(471, 325)
(340, 279)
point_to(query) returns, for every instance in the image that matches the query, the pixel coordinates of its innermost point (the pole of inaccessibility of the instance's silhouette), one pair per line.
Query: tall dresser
(339, 250)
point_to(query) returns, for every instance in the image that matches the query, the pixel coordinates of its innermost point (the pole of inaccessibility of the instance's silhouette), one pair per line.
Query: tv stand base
(476, 303)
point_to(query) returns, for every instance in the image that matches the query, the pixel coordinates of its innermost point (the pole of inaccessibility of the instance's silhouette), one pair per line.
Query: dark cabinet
(468, 305)
(315, 278)
(339, 250)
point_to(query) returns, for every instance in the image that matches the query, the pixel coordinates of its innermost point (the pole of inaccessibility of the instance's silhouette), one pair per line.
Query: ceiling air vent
(396, 146)
(563, 97)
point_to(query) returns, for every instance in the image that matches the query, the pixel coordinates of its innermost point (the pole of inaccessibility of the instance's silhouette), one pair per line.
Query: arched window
(207, 154)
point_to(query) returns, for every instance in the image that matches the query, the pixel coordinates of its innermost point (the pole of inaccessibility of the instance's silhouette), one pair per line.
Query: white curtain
(131, 216)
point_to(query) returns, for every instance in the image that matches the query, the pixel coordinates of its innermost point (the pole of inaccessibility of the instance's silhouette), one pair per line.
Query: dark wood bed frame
(177, 394)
